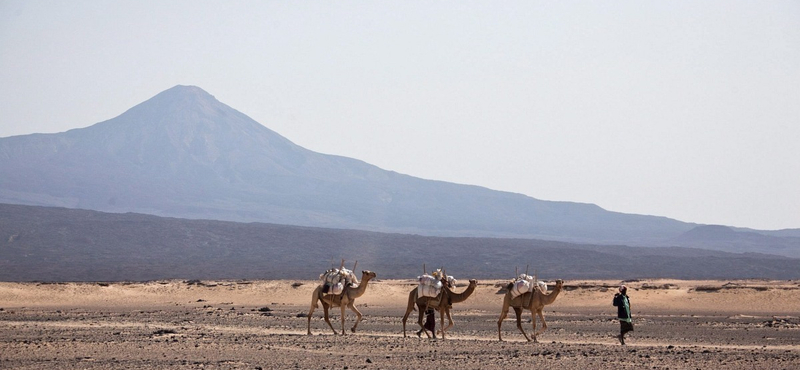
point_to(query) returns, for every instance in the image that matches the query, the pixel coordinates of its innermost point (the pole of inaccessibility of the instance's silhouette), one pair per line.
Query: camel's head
(366, 274)
(559, 283)
(473, 282)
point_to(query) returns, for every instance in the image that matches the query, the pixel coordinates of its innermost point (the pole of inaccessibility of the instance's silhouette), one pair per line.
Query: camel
(425, 302)
(345, 300)
(533, 301)
(441, 303)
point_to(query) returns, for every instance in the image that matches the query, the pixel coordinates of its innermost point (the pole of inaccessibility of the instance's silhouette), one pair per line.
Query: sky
(683, 109)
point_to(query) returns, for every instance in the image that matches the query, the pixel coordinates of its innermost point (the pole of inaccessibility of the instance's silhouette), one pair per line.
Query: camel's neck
(361, 287)
(551, 297)
(461, 297)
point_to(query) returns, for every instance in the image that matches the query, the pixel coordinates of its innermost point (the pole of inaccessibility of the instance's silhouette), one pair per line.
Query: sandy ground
(262, 324)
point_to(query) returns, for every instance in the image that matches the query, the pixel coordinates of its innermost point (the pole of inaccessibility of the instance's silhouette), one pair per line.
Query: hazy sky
(684, 109)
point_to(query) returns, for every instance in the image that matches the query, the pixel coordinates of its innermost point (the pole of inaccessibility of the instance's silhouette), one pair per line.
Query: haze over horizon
(680, 110)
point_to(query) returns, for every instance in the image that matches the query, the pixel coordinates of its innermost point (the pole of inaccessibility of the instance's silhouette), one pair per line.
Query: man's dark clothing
(623, 307)
(623, 313)
(430, 320)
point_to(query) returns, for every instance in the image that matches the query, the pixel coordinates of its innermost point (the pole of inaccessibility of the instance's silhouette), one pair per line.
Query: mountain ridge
(61, 244)
(184, 154)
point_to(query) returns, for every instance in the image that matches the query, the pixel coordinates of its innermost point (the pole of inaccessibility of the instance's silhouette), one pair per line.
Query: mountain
(184, 154)
(60, 244)
(726, 238)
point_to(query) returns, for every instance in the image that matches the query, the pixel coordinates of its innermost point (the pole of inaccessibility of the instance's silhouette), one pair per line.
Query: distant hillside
(727, 239)
(184, 154)
(59, 244)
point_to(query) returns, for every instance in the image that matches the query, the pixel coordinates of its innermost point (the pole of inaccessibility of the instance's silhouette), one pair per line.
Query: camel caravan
(339, 287)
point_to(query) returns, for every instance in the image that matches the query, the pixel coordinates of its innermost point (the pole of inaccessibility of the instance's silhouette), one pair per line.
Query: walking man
(623, 313)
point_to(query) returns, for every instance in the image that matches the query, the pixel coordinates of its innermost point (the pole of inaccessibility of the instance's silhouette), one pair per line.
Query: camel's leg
(544, 325)
(327, 319)
(422, 309)
(449, 321)
(503, 314)
(358, 316)
(518, 312)
(441, 320)
(314, 305)
(343, 307)
(408, 311)
(310, 312)
(533, 323)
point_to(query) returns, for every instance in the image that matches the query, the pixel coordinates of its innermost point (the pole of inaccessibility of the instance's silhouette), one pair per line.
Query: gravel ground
(230, 336)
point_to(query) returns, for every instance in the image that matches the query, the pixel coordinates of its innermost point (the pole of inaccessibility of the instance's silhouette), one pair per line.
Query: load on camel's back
(431, 285)
(335, 280)
(525, 283)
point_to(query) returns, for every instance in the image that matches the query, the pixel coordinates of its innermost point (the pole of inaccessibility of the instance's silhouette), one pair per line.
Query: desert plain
(679, 324)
